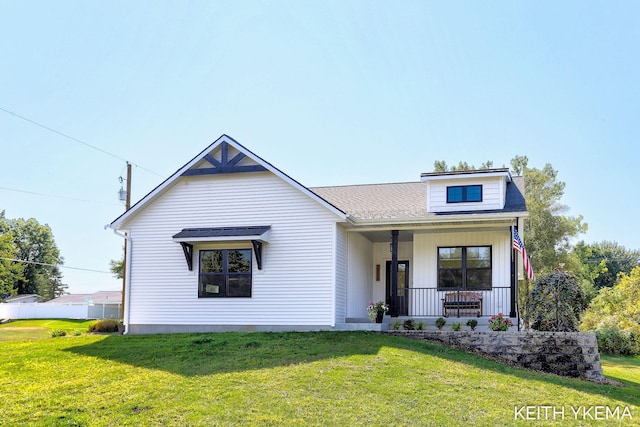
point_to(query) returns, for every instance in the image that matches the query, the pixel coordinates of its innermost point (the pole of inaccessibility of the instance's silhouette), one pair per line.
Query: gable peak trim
(225, 164)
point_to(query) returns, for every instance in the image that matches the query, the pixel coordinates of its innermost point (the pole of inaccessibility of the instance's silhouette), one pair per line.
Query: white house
(230, 242)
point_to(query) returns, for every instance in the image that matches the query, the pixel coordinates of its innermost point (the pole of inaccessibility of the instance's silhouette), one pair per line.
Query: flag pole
(514, 277)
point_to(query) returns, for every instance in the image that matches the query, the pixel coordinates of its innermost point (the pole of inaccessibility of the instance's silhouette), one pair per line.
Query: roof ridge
(367, 185)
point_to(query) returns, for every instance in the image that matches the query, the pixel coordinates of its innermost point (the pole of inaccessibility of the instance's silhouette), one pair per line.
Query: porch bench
(462, 302)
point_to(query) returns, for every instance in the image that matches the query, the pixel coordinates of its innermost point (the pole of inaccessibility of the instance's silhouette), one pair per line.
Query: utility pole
(124, 259)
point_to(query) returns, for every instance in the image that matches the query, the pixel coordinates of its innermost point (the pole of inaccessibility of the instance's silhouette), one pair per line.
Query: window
(464, 267)
(225, 273)
(464, 193)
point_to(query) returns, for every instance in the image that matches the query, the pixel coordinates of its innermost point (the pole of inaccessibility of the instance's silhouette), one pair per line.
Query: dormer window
(464, 193)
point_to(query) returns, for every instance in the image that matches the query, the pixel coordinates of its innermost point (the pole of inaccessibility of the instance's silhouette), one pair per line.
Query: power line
(77, 140)
(55, 265)
(55, 196)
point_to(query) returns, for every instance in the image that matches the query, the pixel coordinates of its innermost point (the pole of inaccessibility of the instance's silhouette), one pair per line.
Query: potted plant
(500, 323)
(376, 311)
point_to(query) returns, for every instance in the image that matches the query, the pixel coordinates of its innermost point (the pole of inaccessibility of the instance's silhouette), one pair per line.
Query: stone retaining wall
(573, 354)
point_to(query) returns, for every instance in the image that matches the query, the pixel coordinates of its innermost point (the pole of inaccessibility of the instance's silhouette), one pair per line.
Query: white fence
(60, 311)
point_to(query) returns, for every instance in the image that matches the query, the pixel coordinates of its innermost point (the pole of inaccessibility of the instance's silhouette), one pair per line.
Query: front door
(403, 284)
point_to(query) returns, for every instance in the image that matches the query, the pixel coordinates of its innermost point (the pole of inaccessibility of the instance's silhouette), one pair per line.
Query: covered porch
(422, 273)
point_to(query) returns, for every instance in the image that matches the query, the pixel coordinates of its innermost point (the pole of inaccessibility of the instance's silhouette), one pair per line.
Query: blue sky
(331, 93)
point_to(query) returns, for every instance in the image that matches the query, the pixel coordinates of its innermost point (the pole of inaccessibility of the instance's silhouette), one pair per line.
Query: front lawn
(320, 378)
(40, 328)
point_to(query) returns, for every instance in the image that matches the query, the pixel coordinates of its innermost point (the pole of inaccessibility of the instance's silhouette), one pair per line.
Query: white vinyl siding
(493, 194)
(295, 285)
(360, 276)
(425, 255)
(341, 274)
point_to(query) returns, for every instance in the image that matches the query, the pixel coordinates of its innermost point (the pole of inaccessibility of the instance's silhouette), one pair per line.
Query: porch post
(514, 278)
(394, 273)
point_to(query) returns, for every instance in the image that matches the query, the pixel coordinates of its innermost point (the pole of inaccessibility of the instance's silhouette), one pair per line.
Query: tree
(519, 164)
(441, 166)
(547, 232)
(585, 270)
(606, 261)
(10, 271)
(556, 302)
(36, 248)
(614, 315)
(117, 267)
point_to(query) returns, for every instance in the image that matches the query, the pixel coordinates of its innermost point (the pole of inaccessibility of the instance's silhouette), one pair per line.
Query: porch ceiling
(378, 235)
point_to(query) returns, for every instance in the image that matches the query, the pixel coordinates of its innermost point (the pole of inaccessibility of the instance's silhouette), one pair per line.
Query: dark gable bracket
(257, 250)
(187, 248)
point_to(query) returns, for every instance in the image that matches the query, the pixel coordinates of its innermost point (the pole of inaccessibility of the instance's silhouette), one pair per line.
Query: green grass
(31, 329)
(282, 379)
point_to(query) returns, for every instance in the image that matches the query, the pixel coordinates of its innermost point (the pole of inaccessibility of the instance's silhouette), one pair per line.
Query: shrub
(409, 325)
(613, 340)
(420, 326)
(472, 324)
(614, 315)
(104, 325)
(456, 326)
(556, 303)
(58, 333)
(440, 322)
(396, 325)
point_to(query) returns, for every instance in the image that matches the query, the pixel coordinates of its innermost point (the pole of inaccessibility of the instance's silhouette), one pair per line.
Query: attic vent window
(464, 193)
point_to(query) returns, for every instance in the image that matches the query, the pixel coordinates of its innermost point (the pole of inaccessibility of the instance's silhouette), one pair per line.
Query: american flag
(519, 246)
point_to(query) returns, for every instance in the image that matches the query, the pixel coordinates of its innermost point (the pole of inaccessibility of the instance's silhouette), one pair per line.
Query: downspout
(127, 281)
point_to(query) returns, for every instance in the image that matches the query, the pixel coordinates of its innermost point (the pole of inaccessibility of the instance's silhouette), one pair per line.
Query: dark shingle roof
(221, 232)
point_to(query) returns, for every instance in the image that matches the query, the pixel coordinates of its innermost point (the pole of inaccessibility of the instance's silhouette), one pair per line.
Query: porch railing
(419, 302)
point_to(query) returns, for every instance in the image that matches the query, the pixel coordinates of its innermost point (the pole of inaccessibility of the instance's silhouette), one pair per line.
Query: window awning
(257, 235)
(223, 234)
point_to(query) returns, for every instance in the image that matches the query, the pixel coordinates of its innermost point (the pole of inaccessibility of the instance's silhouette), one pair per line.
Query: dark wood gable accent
(224, 165)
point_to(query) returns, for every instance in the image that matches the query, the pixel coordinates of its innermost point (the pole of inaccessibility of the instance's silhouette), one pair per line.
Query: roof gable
(223, 156)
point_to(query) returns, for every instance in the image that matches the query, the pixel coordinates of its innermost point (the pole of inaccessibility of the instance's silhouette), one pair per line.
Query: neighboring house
(230, 242)
(22, 299)
(100, 305)
(100, 297)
